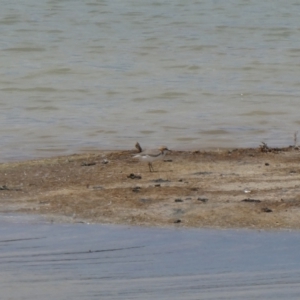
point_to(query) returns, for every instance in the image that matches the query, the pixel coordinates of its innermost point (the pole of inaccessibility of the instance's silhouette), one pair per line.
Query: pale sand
(192, 189)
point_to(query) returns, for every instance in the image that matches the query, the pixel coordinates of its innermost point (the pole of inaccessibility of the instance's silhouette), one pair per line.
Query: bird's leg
(150, 167)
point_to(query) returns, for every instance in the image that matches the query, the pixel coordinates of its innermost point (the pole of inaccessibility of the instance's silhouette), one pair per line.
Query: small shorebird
(152, 155)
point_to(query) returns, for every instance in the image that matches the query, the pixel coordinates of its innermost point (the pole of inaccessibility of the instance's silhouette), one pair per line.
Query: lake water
(103, 74)
(40, 260)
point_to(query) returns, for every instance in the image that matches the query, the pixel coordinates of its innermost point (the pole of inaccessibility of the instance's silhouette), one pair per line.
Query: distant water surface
(100, 74)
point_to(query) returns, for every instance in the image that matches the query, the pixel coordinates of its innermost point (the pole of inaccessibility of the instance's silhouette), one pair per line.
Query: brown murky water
(40, 260)
(105, 74)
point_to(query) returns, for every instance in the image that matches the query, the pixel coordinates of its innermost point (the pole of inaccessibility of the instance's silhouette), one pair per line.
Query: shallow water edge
(80, 261)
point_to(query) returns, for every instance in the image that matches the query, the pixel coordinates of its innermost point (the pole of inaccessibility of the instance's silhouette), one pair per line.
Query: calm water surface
(40, 260)
(98, 74)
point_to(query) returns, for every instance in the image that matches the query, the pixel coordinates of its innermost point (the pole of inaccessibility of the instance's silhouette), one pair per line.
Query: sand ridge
(228, 188)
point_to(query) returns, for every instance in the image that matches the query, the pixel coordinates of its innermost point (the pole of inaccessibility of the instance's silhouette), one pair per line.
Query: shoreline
(255, 188)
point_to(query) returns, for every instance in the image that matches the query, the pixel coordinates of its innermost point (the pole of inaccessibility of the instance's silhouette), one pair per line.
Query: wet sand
(228, 188)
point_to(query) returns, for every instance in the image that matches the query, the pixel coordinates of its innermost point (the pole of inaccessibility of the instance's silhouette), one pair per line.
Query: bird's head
(164, 149)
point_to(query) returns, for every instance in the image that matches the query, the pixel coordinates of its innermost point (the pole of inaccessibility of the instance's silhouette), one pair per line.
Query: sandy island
(239, 188)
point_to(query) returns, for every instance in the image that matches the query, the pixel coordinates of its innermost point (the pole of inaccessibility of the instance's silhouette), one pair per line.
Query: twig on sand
(264, 147)
(138, 147)
(295, 139)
